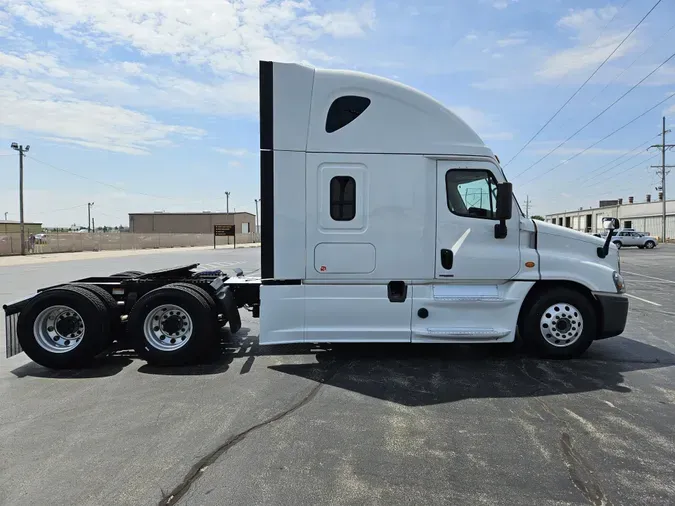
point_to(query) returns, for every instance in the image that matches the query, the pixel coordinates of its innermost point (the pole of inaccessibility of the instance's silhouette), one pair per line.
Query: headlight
(619, 282)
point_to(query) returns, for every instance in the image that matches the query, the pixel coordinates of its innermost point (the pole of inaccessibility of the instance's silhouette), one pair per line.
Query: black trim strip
(276, 282)
(266, 85)
(267, 169)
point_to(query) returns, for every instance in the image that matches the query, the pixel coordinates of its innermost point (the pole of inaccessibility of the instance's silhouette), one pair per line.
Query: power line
(617, 159)
(605, 137)
(632, 63)
(623, 171)
(626, 153)
(584, 84)
(62, 209)
(119, 188)
(613, 167)
(598, 115)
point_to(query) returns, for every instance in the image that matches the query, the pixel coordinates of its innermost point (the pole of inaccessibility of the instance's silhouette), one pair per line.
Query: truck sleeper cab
(385, 218)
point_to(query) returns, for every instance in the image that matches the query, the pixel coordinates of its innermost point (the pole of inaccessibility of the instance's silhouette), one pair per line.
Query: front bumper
(613, 314)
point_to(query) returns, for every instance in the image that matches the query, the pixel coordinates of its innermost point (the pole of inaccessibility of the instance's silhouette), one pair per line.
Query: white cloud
(83, 122)
(235, 164)
(485, 125)
(584, 56)
(511, 41)
(587, 23)
(233, 152)
(502, 4)
(225, 36)
(220, 42)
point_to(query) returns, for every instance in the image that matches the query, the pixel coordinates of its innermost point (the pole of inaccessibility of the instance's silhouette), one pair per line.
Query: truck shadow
(425, 375)
(102, 367)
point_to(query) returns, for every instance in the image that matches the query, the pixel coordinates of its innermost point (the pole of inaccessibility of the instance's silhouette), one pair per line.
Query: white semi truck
(385, 218)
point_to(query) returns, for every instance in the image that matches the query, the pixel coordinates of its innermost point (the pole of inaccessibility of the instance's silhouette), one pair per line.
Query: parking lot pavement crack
(200, 467)
(581, 473)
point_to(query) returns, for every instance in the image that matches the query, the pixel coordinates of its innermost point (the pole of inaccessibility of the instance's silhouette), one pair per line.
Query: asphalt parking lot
(355, 425)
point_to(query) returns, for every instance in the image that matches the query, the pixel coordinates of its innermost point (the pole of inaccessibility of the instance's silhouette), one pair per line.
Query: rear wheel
(64, 328)
(650, 244)
(113, 310)
(172, 325)
(618, 244)
(560, 323)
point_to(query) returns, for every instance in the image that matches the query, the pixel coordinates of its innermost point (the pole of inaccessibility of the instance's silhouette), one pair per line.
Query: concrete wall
(189, 223)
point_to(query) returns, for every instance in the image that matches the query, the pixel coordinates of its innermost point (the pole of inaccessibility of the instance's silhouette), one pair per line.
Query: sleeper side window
(342, 198)
(471, 193)
(344, 110)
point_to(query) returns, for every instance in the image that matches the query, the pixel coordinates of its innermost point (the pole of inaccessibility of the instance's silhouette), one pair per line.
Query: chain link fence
(67, 242)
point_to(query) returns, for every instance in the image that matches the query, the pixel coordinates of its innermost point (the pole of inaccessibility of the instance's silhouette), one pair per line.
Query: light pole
(89, 206)
(227, 205)
(22, 152)
(256, 217)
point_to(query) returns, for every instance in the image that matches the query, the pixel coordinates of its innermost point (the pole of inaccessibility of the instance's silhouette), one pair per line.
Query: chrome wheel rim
(561, 325)
(167, 327)
(649, 245)
(58, 329)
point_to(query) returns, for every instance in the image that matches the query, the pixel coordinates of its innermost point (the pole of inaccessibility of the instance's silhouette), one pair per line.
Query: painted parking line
(650, 277)
(643, 300)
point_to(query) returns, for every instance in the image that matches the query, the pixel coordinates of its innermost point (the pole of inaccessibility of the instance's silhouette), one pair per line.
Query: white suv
(626, 238)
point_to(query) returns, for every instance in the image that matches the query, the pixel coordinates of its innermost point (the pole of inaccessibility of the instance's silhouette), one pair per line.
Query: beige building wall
(14, 227)
(189, 223)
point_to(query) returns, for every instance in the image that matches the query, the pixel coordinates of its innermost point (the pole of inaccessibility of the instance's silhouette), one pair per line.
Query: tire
(113, 310)
(650, 244)
(128, 274)
(84, 332)
(201, 292)
(194, 338)
(553, 306)
(618, 244)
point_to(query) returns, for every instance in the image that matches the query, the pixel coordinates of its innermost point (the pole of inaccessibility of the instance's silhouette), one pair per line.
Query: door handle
(446, 258)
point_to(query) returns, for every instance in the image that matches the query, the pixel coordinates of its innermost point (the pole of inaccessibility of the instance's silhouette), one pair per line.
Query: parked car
(638, 239)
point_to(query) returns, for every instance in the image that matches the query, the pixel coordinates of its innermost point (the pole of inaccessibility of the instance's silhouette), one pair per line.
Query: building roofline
(192, 214)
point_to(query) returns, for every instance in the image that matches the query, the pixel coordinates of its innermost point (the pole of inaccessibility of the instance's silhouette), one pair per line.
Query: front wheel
(560, 323)
(650, 244)
(618, 244)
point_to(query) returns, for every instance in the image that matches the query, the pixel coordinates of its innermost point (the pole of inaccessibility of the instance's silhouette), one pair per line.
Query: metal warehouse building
(643, 216)
(189, 223)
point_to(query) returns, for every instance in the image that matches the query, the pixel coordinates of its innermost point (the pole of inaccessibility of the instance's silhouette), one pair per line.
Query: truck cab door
(467, 248)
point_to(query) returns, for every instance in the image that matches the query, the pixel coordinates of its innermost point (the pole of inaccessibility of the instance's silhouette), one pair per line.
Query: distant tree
(537, 217)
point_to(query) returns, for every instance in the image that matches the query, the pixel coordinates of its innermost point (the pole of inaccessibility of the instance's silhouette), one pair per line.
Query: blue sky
(143, 105)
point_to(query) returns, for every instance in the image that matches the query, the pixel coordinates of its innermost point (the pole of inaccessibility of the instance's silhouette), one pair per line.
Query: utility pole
(527, 206)
(227, 205)
(6, 213)
(256, 216)
(663, 146)
(22, 152)
(89, 206)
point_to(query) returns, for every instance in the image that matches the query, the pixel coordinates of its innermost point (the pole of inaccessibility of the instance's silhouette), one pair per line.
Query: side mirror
(504, 201)
(610, 223)
(504, 208)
